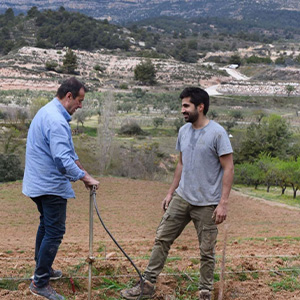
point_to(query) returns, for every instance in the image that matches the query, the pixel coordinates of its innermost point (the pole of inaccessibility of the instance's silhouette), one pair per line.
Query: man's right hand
(166, 202)
(89, 181)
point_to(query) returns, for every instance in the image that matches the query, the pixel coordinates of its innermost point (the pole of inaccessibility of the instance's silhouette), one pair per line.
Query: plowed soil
(262, 249)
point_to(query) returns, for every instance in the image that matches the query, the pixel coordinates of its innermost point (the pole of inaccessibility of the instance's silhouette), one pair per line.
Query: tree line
(57, 29)
(160, 37)
(270, 171)
(268, 155)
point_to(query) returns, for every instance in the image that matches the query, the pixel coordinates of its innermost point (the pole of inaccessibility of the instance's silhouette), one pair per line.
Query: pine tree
(70, 62)
(145, 72)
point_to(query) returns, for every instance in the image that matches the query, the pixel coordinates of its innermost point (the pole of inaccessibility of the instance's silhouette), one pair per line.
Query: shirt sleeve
(62, 151)
(178, 147)
(223, 145)
(76, 157)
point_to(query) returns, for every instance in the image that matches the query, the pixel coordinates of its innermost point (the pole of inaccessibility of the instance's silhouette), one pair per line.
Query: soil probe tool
(221, 290)
(91, 259)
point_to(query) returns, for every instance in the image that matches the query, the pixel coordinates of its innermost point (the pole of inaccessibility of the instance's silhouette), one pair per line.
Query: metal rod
(91, 259)
(222, 275)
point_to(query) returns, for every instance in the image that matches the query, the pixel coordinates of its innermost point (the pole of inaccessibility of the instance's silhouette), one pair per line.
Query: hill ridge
(124, 11)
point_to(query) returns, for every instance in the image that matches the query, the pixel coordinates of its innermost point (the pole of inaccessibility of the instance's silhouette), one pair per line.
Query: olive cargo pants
(177, 216)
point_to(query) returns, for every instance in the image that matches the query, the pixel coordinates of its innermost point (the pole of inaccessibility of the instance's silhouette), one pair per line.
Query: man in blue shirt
(51, 163)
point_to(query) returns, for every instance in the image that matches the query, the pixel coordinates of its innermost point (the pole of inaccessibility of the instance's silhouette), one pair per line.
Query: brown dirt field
(262, 240)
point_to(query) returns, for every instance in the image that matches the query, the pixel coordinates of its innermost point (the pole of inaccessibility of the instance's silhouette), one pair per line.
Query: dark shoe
(46, 292)
(205, 295)
(134, 292)
(54, 275)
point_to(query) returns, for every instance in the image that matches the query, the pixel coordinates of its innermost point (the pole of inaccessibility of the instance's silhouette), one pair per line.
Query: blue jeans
(49, 235)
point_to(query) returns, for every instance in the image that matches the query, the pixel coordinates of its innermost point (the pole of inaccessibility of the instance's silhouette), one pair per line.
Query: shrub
(212, 114)
(3, 115)
(236, 114)
(99, 68)
(10, 168)
(158, 122)
(258, 60)
(178, 123)
(136, 161)
(51, 65)
(123, 86)
(280, 60)
(235, 59)
(131, 128)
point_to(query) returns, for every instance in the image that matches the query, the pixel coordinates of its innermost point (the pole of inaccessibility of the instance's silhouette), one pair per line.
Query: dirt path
(235, 74)
(213, 90)
(261, 238)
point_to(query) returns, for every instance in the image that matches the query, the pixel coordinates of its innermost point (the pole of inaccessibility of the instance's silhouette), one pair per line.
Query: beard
(191, 117)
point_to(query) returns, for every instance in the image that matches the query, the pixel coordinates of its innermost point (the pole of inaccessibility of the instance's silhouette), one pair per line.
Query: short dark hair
(70, 85)
(197, 96)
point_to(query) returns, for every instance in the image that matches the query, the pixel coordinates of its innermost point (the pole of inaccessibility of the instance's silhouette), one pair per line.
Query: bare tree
(106, 130)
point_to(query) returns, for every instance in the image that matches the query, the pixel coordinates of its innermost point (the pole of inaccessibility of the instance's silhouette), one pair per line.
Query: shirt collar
(62, 109)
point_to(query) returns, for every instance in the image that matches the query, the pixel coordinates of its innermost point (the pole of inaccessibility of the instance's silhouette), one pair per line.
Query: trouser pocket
(208, 239)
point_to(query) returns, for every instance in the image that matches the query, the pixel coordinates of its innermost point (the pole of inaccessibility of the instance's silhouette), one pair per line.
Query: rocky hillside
(101, 71)
(26, 69)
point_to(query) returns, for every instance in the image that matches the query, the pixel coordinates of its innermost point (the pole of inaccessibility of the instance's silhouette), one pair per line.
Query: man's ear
(69, 95)
(200, 107)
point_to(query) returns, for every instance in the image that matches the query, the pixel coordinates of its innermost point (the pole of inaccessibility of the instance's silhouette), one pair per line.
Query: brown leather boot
(134, 292)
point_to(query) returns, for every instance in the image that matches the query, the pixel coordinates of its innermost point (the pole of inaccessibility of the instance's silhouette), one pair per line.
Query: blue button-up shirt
(50, 154)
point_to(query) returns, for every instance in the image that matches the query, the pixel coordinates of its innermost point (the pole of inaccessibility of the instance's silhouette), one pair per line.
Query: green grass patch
(288, 258)
(75, 269)
(273, 195)
(160, 131)
(90, 131)
(10, 285)
(169, 259)
(187, 285)
(101, 247)
(110, 284)
(290, 282)
(195, 261)
(216, 277)
(255, 275)
(242, 277)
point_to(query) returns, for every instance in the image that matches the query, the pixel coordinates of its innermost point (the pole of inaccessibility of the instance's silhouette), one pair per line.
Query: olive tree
(249, 174)
(289, 89)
